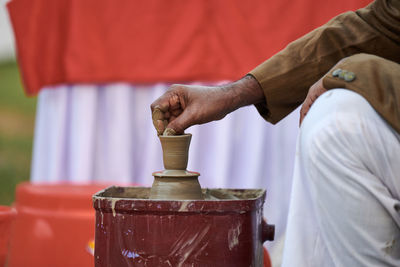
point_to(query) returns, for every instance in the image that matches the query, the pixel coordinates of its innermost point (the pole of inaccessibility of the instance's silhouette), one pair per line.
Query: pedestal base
(176, 188)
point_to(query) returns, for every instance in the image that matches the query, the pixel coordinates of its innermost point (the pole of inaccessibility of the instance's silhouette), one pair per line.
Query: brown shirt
(375, 29)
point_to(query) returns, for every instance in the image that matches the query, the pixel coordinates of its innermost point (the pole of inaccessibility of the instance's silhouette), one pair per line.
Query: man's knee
(342, 131)
(333, 128)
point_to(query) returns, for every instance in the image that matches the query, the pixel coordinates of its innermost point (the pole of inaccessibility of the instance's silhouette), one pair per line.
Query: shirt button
(336, 72)
(349, 76)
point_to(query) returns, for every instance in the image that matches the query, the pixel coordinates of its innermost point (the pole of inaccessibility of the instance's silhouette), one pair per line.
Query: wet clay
(142, 193)
(175, 182)
(175, 151)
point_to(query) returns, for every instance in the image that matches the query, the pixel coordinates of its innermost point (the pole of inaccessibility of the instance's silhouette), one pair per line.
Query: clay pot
(175, 182)
(175, 151)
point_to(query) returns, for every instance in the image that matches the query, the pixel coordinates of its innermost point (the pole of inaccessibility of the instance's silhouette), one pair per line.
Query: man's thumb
(181, 123)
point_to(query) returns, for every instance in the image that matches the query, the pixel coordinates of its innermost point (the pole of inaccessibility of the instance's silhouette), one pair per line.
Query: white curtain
(104, 133)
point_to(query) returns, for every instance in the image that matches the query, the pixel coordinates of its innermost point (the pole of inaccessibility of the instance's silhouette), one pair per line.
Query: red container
(53, 226)
(7, 215)
(226, 229)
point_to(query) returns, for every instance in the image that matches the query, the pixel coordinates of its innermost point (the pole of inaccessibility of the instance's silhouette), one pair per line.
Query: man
(346, 193)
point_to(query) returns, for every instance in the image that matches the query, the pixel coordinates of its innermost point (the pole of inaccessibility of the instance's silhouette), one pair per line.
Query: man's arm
(286, 77)
(185, 105)
(283, 80)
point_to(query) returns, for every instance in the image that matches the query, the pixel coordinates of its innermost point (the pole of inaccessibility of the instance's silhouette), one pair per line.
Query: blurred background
(17, 114)
(92, 68)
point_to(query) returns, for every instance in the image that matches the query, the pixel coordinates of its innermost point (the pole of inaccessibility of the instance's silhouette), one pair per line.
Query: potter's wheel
(177, 223)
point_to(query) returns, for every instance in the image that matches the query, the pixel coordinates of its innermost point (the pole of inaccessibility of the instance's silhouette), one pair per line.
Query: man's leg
(345, 208)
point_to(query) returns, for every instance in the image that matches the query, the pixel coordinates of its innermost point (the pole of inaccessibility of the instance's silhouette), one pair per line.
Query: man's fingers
(303, 113)
(158, 118)
(304, 108)
(159, 103)
(157, 114)
(176, 112)
(159, 125)
(170, 100)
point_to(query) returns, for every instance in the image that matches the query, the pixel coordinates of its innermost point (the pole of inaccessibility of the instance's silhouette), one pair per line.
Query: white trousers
(344, 208)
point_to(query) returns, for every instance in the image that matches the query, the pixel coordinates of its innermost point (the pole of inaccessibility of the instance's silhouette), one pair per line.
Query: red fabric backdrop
(98, 41)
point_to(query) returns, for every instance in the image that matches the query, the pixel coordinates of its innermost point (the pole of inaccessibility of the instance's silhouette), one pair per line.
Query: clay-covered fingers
(169, 131)
(168, 108)
(163, 109)
(157, 114)
(185, 105)
(159, 121)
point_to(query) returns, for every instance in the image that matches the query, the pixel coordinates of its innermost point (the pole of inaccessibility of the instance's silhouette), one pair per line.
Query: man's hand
(185, 105)
(314, 92)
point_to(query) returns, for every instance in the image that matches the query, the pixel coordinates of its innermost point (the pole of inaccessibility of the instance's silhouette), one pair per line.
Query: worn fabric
(287, 76)
(345, 203)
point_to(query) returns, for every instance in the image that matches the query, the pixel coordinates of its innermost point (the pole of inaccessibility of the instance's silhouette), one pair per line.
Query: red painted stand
(54, 226)
(132, 230)
(7, 215)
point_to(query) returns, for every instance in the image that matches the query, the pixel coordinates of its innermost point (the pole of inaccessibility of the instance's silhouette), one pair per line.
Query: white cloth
(104, 133)
(344, 208)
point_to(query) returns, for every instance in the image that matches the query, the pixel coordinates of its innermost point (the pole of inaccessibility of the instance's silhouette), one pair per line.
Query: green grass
(17, 113)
